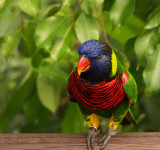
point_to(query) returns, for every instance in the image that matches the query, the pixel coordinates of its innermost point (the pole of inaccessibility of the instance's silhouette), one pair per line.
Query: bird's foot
(106, 138)
(91, 134)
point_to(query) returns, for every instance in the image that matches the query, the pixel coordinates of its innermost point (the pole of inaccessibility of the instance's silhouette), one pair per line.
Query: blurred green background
(38, 51)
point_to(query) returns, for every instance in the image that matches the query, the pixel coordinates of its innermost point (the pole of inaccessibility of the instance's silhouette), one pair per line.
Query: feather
(99, 96)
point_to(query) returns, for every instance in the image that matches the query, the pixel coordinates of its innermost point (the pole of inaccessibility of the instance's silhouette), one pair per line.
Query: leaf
(92, 7)
(153, 19)
(86, 7)
(128, 30)
(96, 6)
(35, 111)
(73, 122)
(28, 46)
(8, 25)
(10, 43)
(86, 28)
(121, 10)
(49, 92)
(145, 44)
(38, 57)
(49, 30)
(65, 65)
(52, 71)
(98, 3)
(50, 10)
(5, 3)
(107, 21)
(151, 72)
(60, 46)
(16, 102)
(67, 3)
(31, 7)
(2, 4)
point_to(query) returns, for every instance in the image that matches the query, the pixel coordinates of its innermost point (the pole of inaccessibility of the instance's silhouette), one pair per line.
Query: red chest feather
(101, 96)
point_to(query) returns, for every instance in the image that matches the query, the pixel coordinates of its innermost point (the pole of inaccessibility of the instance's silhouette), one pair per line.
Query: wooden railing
(122, 141)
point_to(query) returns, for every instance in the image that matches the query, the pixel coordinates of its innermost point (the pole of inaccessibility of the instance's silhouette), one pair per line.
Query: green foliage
(10, 43)
(151, 73)
(146, 44)
(18, 99)
(73, 121)
(30, 7)
(34, 110)
(153, 19)
(49, 92)
(86, 28)
(121, 10)
(46, 35)
(42, 36)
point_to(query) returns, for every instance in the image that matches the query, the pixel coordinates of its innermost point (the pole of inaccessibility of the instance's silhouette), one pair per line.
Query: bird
(102, 86)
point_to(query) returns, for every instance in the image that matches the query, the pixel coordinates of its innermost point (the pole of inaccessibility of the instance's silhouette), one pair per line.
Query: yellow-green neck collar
(114, 63)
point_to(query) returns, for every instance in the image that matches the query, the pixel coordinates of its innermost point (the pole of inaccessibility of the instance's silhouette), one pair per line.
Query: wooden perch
(122, 141)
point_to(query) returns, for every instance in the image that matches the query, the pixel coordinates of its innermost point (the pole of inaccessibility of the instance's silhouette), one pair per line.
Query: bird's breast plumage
(98, 96)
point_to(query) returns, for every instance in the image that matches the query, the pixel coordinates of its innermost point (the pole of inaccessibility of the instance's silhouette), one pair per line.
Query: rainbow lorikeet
(102, 87)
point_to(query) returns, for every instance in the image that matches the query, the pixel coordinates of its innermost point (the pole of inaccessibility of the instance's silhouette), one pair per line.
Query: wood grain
(122, 141)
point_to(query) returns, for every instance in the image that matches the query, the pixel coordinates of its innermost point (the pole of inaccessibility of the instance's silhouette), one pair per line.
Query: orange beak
(83, 65)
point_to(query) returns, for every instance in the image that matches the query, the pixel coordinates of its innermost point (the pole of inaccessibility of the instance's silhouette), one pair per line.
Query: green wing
(130, 87)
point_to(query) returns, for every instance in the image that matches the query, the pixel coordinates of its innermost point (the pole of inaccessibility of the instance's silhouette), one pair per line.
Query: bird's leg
(106, 138)
(91, 134)
(112, 131)
(93, 124)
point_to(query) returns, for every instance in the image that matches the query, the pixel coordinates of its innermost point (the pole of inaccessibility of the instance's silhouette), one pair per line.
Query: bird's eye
(100, 56)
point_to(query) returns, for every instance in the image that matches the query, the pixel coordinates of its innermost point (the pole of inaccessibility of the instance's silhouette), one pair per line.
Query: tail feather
(129, 118)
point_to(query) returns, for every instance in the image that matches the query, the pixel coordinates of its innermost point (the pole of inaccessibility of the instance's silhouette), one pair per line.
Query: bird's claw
(91, 134)
(106, 138)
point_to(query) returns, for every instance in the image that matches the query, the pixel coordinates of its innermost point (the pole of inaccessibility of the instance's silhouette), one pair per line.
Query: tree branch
(102, 23)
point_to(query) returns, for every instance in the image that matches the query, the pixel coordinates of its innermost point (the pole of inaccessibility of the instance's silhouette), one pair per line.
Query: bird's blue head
(95, 60)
